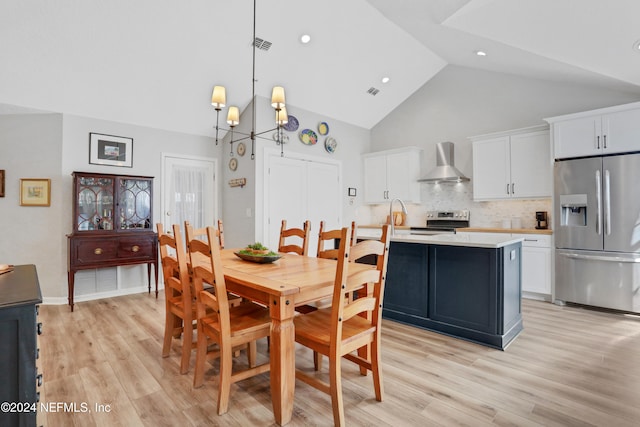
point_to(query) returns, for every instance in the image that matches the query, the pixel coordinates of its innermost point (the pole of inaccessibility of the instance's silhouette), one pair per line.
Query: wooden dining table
(282, 285)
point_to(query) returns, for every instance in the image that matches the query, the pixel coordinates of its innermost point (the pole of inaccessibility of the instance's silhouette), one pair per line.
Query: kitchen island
(464, 286)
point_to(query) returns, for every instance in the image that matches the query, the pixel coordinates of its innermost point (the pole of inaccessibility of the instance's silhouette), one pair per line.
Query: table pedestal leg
(283, 369)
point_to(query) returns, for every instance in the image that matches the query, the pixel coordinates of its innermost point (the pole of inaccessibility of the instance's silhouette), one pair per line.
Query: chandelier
(219, 100)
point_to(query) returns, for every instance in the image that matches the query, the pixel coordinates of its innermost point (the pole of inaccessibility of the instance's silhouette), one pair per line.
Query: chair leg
(335, 385)
(201, 358)
(375, 369)
(224, 388)
(187, 340)
(317, 361)
(365, 353)
(168, 333)
(251, 353)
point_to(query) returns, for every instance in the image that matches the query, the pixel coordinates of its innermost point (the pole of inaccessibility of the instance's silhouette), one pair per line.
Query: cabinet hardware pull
(39, 380)
(513, 188)
(97, 251)
(507, 188)
(604, 141)
(39, 328)
(598, 142)
(135, 248)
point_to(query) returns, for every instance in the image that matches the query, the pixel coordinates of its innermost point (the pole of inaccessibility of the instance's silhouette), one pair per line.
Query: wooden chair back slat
(301, 233)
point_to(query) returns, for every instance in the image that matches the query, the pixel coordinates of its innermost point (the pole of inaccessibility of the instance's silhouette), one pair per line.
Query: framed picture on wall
(35, 192)
(110, 150)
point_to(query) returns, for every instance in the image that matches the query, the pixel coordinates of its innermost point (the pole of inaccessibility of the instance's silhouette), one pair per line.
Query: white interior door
(188, 191)
(299, 189)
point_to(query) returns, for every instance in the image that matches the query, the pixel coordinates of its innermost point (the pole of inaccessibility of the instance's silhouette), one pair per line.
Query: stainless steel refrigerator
(597, 231)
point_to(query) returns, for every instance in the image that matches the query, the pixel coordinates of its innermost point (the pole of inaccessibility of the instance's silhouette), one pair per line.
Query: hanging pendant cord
(253, 88)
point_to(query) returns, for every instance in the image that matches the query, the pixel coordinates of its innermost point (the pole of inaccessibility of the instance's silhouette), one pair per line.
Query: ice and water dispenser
(573, 210)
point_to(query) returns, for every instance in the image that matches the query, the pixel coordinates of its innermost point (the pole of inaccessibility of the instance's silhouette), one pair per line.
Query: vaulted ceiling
(155, 62)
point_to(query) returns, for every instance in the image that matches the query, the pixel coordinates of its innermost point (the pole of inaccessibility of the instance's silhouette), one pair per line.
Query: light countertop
(504, 230)
(467, 240)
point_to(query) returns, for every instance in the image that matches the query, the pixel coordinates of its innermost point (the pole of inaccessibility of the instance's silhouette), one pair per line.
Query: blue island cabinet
(471, 293)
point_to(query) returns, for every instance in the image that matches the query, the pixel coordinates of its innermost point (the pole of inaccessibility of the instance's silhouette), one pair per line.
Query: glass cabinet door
(95, 204)
(134, 203)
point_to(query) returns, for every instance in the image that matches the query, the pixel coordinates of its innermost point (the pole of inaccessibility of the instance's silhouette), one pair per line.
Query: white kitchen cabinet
(390, 174)
(536, 262)
(512, 165)
(603, 131)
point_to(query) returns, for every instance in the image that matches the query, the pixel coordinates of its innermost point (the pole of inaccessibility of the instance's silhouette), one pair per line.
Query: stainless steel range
(443, 222)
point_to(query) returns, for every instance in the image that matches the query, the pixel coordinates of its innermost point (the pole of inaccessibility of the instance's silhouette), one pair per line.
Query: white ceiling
(154, 62)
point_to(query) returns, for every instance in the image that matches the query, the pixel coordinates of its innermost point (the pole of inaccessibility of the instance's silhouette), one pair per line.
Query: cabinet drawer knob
(135, 248)
(97, 251)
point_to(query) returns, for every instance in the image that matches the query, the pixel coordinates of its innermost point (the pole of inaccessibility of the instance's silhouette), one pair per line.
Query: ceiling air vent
(262, 44)
(373, 91)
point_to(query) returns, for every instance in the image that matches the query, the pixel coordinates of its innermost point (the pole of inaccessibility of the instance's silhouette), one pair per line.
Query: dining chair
(345, 327)
(326, 237)
(300, 233)
(179, 304)
(230, 327)
(201, 234)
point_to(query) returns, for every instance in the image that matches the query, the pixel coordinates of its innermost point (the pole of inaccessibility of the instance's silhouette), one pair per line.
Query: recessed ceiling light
(305, 38)
(481, 53)
(385, 79)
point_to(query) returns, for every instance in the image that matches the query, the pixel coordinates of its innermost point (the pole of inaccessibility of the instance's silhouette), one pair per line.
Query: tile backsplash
(443, 197)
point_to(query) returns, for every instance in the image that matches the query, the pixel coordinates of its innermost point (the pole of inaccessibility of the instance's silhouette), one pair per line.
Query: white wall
(461, 102)
(30, 147)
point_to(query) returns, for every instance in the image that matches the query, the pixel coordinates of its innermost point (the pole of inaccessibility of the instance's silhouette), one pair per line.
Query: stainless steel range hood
(445, 171)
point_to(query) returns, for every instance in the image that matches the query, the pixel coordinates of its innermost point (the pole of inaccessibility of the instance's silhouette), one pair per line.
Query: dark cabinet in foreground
(19, 377)
(112, 224)
(467, 292)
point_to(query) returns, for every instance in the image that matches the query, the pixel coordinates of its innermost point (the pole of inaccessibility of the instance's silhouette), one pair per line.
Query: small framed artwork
(1, 182)
(35, 192)
(110, 150)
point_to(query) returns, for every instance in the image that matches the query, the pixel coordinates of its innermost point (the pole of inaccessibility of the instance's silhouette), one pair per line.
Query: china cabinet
(112, 224)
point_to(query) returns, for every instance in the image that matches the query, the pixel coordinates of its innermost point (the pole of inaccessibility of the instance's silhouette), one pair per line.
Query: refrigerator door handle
(599, 202)
(599, 257)
(607, 202)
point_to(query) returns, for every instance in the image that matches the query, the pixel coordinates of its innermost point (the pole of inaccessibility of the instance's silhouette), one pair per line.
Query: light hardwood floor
(570, 366)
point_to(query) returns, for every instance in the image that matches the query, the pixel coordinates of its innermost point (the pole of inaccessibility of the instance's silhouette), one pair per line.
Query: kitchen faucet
(392, 220)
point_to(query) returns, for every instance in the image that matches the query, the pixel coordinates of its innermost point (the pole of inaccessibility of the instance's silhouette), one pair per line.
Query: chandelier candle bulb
(277, 97)
(233, 116)
(281, 116)
(219, 97)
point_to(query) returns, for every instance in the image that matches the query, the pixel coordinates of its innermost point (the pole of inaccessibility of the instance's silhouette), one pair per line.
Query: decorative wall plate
(241, 149)
(323, 128)
(233, 164)
(292, 124)
(308, 137)
(330, 144)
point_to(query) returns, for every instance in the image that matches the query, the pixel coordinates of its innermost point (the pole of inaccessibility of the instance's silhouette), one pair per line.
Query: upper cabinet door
(392, 174)
(375, 179)
(621, 131)
(610, 130)
(531, 165)
(578, 137)
(491, 169)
